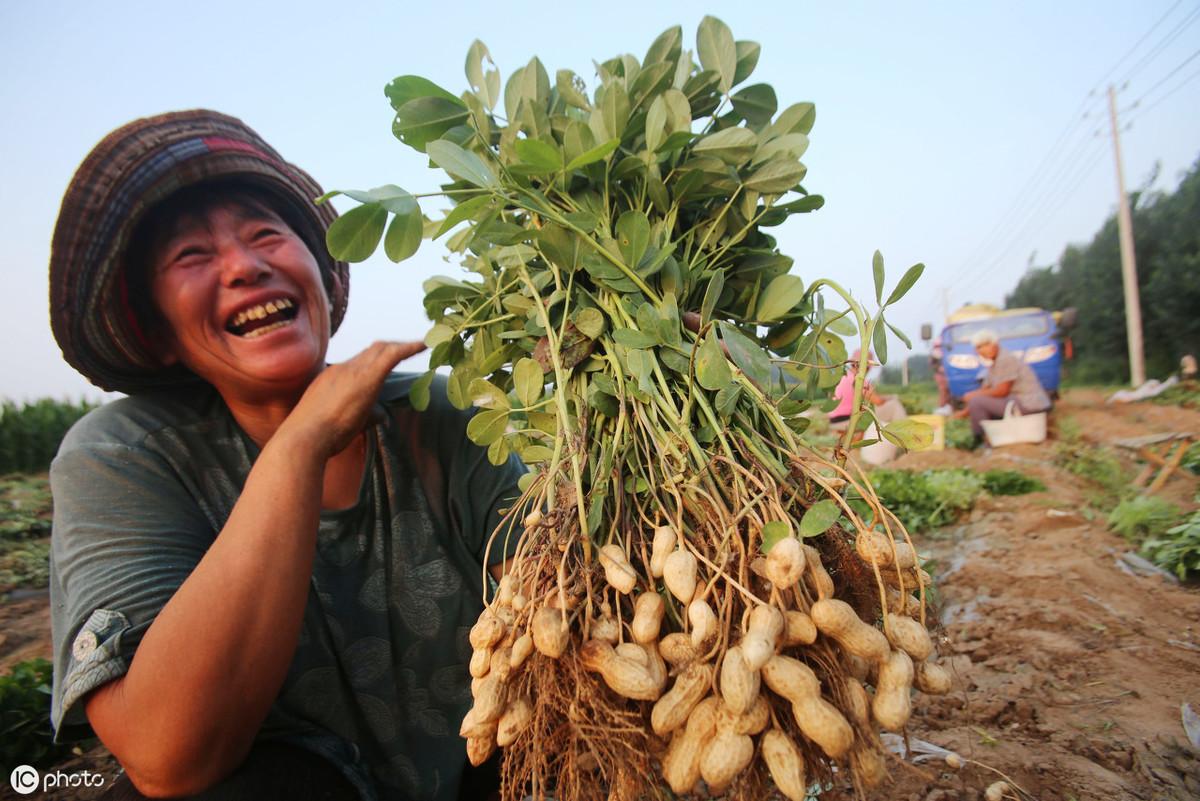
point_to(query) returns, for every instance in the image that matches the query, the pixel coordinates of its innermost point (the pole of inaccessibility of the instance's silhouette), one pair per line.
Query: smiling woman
(262, 565)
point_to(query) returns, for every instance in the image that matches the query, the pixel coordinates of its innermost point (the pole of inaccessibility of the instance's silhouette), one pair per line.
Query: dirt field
(1070, 670)
(1070, 666)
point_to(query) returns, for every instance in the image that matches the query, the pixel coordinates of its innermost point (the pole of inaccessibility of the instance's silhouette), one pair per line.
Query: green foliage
(1096, 464)
(1010, 482)
(30, 433)
(933, 498)
(25, 507)
(1191, 459)
(928, 499)
(958, 434)
(917, 398)
(25, 563)
(1142, 516)
(25, 512)
(1185, 394)
(1177, 549)
(1167, 247)
(637, 204)
(25, 716)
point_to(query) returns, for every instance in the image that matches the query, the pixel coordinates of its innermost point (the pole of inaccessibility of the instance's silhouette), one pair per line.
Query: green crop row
(30, 433)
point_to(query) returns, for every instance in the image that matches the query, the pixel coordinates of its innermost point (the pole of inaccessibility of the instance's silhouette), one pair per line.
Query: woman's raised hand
(338, 403)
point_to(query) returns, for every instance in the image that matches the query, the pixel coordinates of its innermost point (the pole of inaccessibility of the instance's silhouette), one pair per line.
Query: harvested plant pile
(692, 596)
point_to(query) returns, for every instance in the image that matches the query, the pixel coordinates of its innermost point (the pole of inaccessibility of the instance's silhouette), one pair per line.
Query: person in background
(263, 568)
(886, 407)
(1008, 380)
(936, 355)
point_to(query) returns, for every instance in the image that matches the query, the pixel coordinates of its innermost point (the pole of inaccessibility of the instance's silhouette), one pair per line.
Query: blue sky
(934, 123)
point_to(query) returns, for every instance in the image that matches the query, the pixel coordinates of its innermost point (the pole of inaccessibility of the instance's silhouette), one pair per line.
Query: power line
(1171, 36)
(1164, 79)
(1078, 119)
(1044, 210)
(1137, 44)
(1143, 112)
(1030, 206)
(1045, 189)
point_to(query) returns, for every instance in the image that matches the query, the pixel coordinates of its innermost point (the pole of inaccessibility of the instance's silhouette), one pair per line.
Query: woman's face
(243, 301)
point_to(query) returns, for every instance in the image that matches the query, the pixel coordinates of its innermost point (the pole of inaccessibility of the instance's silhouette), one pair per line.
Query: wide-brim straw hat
(130, 171)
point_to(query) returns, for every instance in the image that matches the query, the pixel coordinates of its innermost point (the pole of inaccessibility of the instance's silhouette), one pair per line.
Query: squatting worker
(263, 568)
(1009, 379)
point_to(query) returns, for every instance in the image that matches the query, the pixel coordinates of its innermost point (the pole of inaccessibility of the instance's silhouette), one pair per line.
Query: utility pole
(1133, 306)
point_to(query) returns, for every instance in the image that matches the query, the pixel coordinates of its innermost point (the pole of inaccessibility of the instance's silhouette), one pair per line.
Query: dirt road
(1070, 667)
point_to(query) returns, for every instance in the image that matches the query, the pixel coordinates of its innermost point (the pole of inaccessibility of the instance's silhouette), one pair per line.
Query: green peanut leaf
(590, 322)
(404, 235)
(438, 334)
(426, 119)
(529, 381)
(879, 338)
(819, 517)
(747, 354)
(499, 451)
(461, 163)
(538, 155)
(782, 295)
(486, 85)
(747, 60)
(727, 399)
(597, 153)
(532, 454)
(717, 50)
(733, 146)
(908, 433)
(410, 87)
(712, 294)
(458, 390)
(418, 393)
(877, 269)
(712, 369)
(789, 147)
(633, 235)
(354, 236)
(487, 426)
(638, 340)
(486, 395)
(464, 210)
(773, 532)
(757, 104)
(776, 177)
(666, 47)
(570, 88)
(796, 118)
(903, 338)
(906, 283)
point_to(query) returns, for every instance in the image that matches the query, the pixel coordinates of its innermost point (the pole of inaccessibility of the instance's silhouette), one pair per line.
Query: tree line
(1166, 230)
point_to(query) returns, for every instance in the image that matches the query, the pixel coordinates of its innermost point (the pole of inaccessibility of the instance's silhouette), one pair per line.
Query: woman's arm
(209, 667)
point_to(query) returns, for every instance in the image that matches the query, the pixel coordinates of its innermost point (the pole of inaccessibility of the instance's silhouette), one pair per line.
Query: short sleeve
(126, 535)
(1005, 368)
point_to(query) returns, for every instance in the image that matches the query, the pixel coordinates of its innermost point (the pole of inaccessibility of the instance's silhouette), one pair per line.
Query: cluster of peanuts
(708, 701)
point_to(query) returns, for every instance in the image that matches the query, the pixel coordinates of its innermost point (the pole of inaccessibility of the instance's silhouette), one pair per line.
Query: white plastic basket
(1015, 427)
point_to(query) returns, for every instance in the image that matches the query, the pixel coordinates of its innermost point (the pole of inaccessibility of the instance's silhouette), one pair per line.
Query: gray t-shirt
(1026, 389)
(379, 681)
